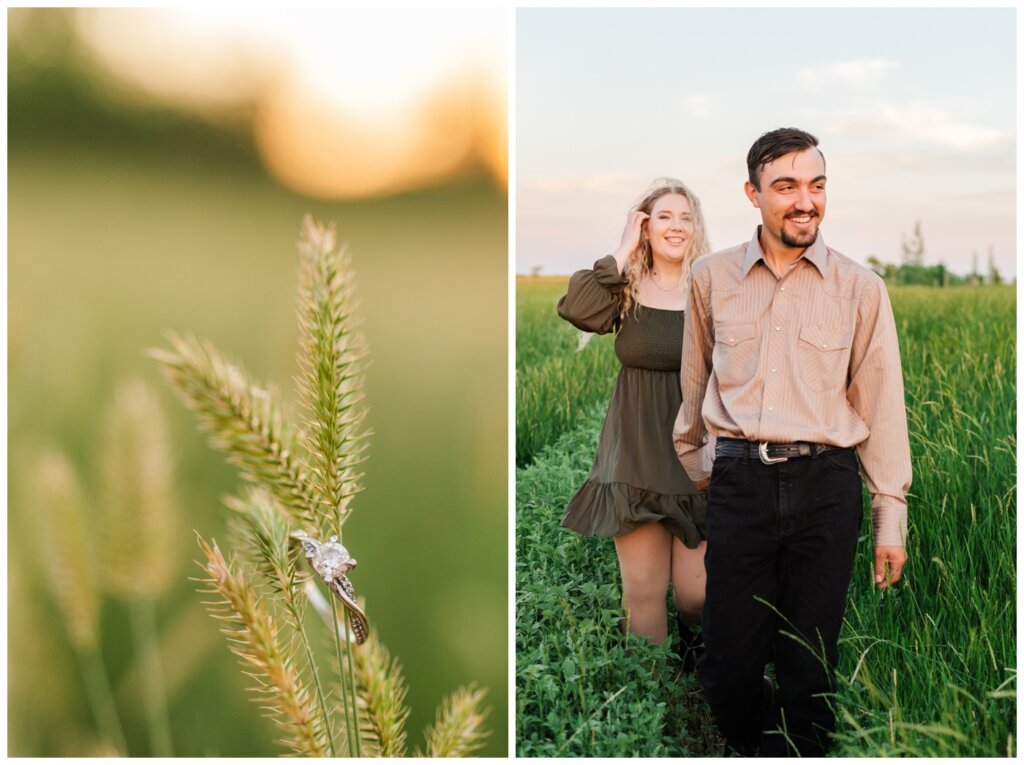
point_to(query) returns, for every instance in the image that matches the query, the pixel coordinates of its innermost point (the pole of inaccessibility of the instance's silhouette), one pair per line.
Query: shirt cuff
(697, 463)
(888, 521)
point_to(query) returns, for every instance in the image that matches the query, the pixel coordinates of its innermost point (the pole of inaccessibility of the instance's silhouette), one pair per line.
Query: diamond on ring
(331, 560)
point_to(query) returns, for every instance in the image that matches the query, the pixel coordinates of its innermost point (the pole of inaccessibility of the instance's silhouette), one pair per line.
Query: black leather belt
(770, 453)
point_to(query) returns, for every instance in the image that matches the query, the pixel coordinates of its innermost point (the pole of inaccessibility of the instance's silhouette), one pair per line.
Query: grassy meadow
(109, 249)
(555, 386)
(927, 668)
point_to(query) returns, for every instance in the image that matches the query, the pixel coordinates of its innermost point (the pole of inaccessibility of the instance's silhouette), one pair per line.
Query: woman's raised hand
(630, 237)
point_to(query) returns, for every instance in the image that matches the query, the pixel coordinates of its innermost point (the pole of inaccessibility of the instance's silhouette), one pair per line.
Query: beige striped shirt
(811, 356)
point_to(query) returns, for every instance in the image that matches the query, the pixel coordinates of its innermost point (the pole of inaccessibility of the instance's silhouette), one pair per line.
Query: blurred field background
(928, 668)
(136, 206)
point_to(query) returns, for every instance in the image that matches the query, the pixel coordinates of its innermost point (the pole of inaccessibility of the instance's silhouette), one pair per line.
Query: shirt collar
(817, 253)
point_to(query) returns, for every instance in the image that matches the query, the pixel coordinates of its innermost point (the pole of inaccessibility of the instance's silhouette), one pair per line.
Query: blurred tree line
(58, 93)
(912, 269)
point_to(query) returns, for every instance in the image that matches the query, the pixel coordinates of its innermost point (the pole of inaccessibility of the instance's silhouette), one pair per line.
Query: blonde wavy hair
(641, 261)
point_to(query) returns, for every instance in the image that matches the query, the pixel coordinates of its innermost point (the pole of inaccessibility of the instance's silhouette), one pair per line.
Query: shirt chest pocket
(735, 353)
(824, 355)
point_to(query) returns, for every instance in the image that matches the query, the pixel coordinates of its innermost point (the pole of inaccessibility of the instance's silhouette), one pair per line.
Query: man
(790, 359)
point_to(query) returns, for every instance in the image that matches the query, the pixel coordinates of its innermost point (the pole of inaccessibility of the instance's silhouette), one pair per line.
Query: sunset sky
(915, 110)
(347, 102)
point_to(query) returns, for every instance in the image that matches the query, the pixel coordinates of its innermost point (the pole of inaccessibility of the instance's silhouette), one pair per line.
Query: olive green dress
(636, 478)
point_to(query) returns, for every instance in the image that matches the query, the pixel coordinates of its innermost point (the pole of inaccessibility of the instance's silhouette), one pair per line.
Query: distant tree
(913, 271)
(886, 270)
(535, 271)
(955, 280)
(994, 277)
(913, 248)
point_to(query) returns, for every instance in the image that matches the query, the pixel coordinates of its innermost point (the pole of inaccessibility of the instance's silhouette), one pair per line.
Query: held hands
(708, 452)
(891, 558)
(630, 237)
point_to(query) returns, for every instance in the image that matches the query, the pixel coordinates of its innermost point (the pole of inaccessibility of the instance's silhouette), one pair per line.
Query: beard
(799, 239)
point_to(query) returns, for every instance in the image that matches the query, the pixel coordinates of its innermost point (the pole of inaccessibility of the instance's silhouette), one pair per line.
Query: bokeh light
(427, 96)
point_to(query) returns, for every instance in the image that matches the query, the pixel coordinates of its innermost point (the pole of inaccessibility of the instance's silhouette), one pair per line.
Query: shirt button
(773, 370)
(783, 289)
(771, 409)
(778, 329)
(824, 346)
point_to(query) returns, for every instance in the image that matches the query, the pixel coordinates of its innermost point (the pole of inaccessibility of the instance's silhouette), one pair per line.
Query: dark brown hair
(774, 144)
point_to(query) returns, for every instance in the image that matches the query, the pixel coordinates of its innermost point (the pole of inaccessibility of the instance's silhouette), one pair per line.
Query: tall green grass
(926, 668)
(932, 664)
(555, 385)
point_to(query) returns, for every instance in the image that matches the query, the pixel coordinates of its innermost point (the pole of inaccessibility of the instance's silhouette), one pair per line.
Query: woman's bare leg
(688, 580)
(645, 564)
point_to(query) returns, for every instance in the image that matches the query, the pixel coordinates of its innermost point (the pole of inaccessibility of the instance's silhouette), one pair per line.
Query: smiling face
(791, 198)
(670, 227)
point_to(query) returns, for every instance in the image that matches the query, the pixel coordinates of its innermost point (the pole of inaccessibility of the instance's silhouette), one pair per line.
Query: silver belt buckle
(762, 452)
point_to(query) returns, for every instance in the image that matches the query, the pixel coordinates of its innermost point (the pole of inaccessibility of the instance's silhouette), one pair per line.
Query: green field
(926, 669)
(555, 386)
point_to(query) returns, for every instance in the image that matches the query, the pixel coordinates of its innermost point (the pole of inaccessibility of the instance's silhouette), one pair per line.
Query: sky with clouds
(914, 108)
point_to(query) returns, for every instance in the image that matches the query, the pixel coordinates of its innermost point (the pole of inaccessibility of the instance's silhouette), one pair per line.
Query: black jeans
(786, 534)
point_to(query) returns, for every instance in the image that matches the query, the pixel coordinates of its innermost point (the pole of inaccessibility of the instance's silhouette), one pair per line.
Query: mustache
(801, 213)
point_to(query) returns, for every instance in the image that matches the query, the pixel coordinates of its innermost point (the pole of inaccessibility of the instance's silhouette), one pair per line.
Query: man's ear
(751, 192)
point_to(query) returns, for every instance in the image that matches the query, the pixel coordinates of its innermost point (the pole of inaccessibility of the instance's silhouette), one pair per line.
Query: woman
(637, 491)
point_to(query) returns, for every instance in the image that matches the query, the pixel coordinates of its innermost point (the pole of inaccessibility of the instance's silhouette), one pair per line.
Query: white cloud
(600, 184)
(859, 74)
(698, 105)
(928, 123)
(921, 122)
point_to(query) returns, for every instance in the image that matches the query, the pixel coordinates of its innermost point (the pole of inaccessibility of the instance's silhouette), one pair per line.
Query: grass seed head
(139, 510)
(458, 729)
(332, 360)
(381, 692)
(65, 548)
(254, 637)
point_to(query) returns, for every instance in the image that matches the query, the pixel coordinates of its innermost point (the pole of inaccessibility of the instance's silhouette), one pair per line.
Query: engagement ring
(331, 561)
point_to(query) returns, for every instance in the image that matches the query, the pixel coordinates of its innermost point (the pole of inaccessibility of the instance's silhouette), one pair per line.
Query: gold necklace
(654, 278)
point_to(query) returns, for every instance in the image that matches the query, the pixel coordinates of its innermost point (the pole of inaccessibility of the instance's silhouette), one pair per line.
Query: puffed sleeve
(592, 302)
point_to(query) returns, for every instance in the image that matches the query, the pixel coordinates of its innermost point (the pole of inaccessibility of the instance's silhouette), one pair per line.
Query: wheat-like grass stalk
(139, 515)
(242, 419)
(332, 360)
(382, 691)
(66, 550)
(263, 527)
(251, 630)
(139, 512)
(458, 728)
(311, 476)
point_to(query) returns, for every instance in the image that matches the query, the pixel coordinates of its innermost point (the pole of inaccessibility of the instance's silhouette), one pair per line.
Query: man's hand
(891, 558)
(702, 485)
